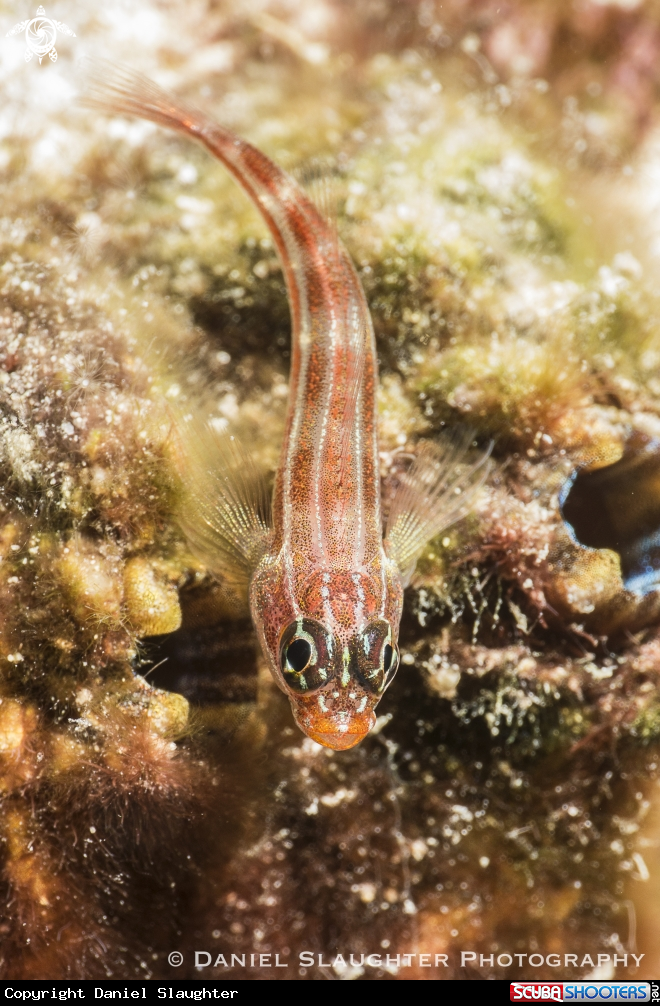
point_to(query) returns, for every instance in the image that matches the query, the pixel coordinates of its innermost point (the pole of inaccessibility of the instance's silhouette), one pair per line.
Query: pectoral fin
(439, 488)
(225, 508)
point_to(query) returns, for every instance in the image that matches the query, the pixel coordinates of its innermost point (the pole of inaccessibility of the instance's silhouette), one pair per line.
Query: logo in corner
(40, 35)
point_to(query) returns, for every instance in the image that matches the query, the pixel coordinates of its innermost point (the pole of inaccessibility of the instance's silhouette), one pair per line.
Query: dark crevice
(210, 665)
(618, 507)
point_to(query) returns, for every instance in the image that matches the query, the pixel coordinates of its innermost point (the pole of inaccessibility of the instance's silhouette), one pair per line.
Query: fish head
(331, 644)
(334, 685)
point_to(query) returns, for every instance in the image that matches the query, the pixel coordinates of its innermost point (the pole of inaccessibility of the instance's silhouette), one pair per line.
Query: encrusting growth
(93, 785)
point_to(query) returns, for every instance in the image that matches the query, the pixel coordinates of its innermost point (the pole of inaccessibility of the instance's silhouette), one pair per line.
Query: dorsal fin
(321, 181)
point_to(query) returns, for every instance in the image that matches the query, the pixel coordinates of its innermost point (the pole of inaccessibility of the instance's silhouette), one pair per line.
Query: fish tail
(118, 90)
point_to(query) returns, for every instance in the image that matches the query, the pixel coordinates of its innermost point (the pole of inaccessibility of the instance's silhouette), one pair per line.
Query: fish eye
(298, 655)
(306, 655)
(377, 656)
(390, 663)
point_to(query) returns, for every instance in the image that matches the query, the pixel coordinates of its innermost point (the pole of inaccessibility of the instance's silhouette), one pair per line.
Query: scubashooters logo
(580, 992)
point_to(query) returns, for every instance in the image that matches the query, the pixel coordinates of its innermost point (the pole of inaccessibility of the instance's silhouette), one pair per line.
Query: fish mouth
(331, 733)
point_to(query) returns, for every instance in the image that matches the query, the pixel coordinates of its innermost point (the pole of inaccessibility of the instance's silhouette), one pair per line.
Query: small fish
(325, 585)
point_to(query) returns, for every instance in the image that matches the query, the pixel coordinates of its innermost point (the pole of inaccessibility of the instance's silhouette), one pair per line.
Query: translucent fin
(321, 182)
(118, 90)
(437, 490)
(226, 507)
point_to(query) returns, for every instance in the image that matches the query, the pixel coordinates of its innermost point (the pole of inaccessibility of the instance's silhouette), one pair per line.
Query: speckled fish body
(325, 588)
(325, 579)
